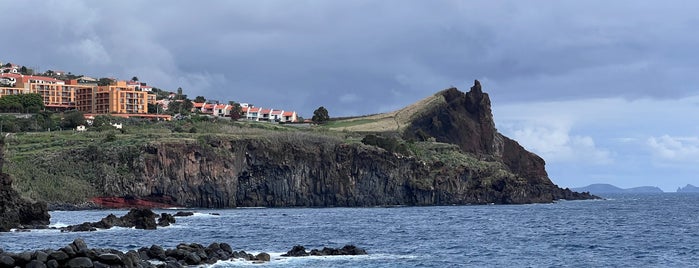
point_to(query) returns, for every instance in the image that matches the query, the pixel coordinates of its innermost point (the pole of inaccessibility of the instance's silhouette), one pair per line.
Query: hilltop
(442, 150)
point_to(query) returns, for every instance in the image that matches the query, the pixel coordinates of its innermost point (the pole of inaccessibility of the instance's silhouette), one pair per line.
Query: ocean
(629, 230)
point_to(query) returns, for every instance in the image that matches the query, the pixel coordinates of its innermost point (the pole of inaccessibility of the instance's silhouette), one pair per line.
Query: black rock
(58, 255)
(7, 261)
(166, 219)
(110, 258)
(184, 214)
(296, 251)
(52, 264)
(35, 264)
(300, 251)
(79, 262)
(41, 256)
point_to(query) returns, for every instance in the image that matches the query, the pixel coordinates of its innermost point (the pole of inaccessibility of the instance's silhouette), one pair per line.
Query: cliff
(16, 212)
(449, 153)
(465, 119)
(282, 170)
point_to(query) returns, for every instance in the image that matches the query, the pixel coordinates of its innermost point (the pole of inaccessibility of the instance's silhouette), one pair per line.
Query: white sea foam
(276, 260)
(58, 225)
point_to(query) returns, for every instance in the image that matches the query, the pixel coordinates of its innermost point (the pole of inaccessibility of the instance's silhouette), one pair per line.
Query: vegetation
(21, 103)
(320, 115)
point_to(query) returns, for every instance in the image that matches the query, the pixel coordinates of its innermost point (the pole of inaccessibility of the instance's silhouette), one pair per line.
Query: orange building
(117, 98)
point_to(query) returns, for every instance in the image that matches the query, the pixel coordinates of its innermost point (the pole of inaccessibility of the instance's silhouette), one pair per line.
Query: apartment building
(117, 98)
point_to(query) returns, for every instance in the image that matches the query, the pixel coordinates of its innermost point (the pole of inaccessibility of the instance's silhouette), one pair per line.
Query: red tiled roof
(198, 104)
(43, 78)
(277, 112)
(209, 106)
(288, 113)
(266, 111)
(11, 75)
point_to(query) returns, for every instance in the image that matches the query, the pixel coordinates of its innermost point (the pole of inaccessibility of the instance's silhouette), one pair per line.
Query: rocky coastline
(77, 255)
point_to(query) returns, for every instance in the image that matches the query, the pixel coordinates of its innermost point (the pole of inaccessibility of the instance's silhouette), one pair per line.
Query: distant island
(603, 188)
(688, 189)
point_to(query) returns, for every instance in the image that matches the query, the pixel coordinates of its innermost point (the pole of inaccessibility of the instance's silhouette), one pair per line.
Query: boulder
(141, 218)
(35, 264)
(79, 262)
(184, 214)
(300, 251)
(166, 219)
(263, 256)
(7, 261)
(296, 251)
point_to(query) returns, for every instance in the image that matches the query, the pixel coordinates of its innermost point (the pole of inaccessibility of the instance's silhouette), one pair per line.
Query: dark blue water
(657, 230)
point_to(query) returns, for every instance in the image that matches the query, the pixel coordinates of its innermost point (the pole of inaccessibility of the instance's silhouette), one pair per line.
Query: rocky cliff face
(298, 169)
(16, 212)
(467, 121)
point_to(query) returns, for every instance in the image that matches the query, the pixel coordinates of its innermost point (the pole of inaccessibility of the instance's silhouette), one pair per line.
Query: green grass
(347, 123)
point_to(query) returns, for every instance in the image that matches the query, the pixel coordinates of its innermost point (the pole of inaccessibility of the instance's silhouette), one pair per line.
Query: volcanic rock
(16, 212)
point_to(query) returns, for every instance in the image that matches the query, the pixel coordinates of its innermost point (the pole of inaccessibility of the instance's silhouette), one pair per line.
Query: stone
(166, 219)
(192, 259)
(69, 250)
(52, 264)
(79, 245)
(110, 258)
(156, 252)
(35, 264)
(226, 247)
(41, 256)
(263, 256)
(352, 250)
(79, 262)
(7, 261)
(58, 255)
(97, 264)
(183, 214)
(296, 251)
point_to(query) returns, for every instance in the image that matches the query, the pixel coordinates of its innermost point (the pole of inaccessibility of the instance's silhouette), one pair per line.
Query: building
(116, 98)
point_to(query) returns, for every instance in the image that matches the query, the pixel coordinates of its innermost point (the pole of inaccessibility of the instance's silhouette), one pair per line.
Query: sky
(604, 91)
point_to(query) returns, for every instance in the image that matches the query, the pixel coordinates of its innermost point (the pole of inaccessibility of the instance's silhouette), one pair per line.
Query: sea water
(641, 230)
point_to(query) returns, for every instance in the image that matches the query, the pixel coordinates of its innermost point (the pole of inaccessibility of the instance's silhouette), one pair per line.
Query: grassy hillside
(387, 122)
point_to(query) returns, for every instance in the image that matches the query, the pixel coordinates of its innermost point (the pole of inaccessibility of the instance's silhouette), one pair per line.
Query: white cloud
(91, 51)
(675, 149)
(555, 143)
(349, 98)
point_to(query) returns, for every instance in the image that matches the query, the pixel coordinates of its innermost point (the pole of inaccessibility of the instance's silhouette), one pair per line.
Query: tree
(72, 119)
(32, 102)
(154, 108)
(200, 99)
(180, 107)
(134, 78)
(237, 111)
(320, 115)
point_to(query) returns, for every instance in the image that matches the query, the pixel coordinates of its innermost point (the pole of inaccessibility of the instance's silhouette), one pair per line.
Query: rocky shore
(78, 254)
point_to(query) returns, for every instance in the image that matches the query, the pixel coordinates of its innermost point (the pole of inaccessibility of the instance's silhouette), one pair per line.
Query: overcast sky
(604, 91)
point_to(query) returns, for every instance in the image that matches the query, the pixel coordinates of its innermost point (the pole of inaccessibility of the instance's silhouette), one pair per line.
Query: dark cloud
(303, 54)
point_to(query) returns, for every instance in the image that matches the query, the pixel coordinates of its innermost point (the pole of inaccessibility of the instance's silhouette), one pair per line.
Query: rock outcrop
(16, 212)
(139, 218)
(78, 254)
(467, 121)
